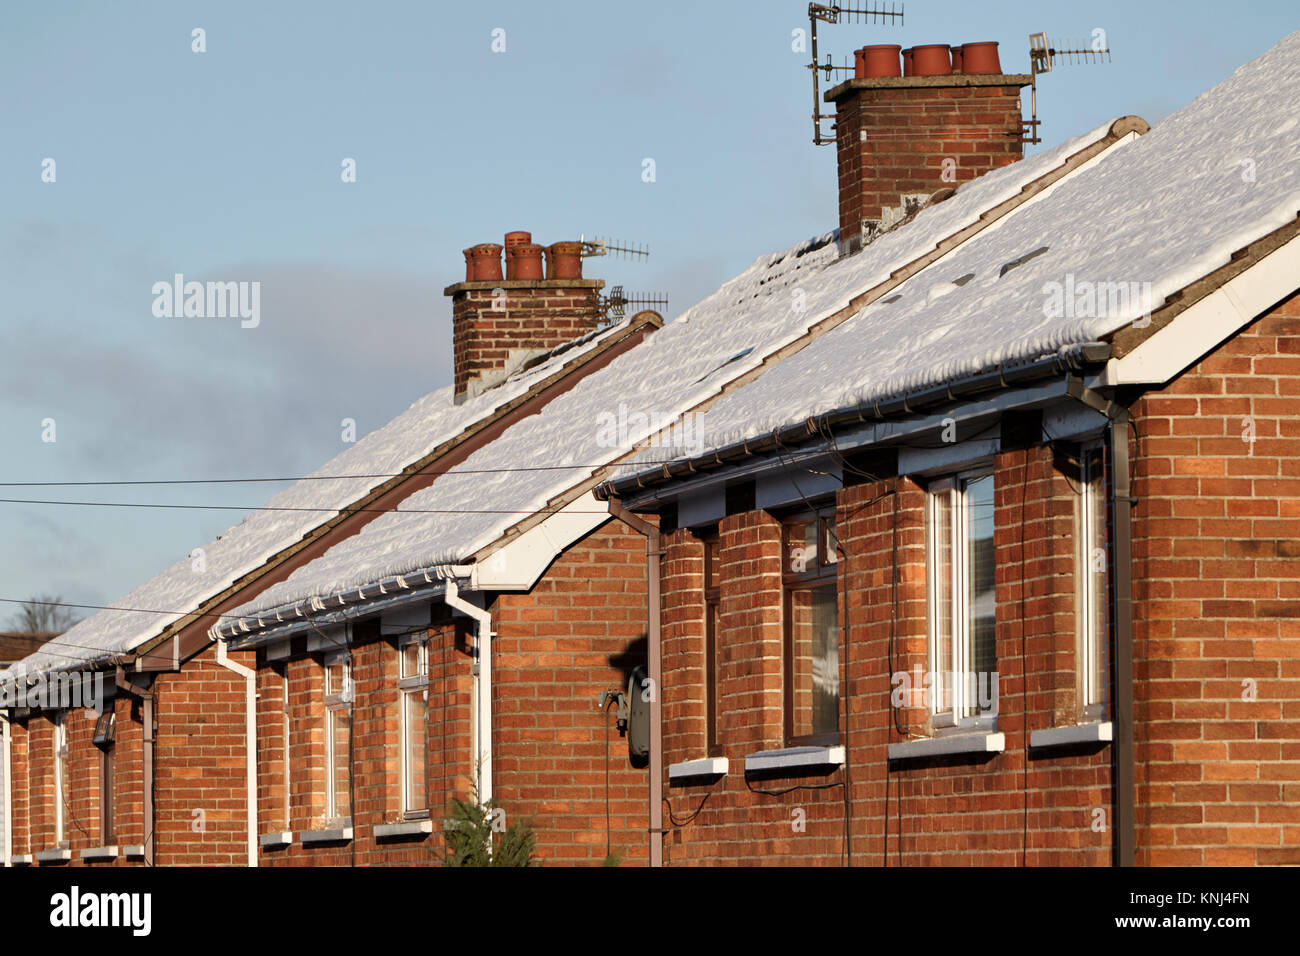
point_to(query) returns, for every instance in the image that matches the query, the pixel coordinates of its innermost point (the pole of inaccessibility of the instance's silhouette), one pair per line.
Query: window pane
(711, 563)
(340, 728)
(106, 797)
(412, 660)
(801, 548)
(65, 781)
(981, 656)
(417, 740)
(830, 552)
(711, 673)
(285, 751)
(941, 593)
(814, 633)
(826, 662)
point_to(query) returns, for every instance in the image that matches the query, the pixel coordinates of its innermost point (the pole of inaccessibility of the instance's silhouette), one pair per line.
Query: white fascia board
(1200, 328)
(517, 566)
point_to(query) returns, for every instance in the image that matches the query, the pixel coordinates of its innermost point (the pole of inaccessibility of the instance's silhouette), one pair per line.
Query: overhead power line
(344, 509)
(394, 474)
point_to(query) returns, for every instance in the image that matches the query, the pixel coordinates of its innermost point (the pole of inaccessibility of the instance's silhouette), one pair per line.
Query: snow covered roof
(1155, 216)
(744, 325)
(180, 589)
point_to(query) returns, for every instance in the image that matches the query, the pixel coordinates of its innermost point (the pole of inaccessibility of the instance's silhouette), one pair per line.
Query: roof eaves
(641, 324)
(1071, 360)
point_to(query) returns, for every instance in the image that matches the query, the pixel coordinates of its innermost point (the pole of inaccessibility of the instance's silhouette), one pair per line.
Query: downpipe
(483, 682)
(250, 741)
(653, 550)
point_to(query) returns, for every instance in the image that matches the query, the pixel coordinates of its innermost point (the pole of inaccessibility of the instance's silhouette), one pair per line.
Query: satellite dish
(639, 692)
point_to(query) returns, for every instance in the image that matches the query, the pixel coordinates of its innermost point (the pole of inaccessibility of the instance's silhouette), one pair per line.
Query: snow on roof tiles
(771, 304)
(1161, 212)
(180, 589)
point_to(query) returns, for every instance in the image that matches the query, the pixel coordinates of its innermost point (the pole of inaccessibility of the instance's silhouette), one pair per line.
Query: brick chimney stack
(902, 138)
(498, 323)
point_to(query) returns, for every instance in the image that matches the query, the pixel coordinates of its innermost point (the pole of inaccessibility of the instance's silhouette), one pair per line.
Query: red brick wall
(33, 805)
(727, 822)
(682, 646)
(577, 633)
(40, 755)
(20, 786)
(996, 810)
(538, 315)
(128, 772)
(1217, 605)
(81, 814)
(909, 133)
(200, 797)
(376, 765)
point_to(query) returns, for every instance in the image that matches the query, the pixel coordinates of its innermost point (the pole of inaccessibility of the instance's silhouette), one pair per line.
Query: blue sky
(226, 165)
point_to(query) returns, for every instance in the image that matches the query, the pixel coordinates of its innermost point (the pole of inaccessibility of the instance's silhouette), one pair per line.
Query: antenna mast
(1042, 56)
(832, 13)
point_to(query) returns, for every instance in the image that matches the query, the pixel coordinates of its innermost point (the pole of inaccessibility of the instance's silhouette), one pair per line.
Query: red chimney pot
(932, 59)
(524, 261)
(483, 262)
(881, 59)
(564, 260)
(980, 58)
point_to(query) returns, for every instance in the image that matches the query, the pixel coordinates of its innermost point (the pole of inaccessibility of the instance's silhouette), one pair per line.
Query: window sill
(100, 853)
(794, 759)
(134, 852)
(1091, 733)
(692, 769)
(314, 837)
(54, 856)
(950, 744)
(404, 830)
(272, 841)
(21, 859)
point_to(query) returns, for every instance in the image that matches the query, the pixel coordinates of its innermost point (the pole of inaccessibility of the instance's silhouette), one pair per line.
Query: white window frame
(335, 700)
(1091, 640)
(948, 703)
(407, 684)
(60, 774)
(286, 729)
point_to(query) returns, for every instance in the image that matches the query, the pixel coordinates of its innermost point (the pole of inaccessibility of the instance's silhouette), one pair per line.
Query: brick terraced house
(148, 761)
(953, 548)
(552, 583)
(1005, 569)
